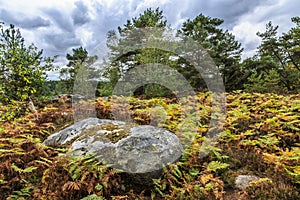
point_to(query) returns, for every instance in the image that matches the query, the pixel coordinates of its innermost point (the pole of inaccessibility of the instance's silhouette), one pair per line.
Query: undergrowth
(260, 136)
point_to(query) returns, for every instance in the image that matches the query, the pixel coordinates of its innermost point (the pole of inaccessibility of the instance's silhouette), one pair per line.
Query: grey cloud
(61, 42)
(60, 37)
(19, 20)
(249, 46)
(33, 23)
(106, 20)
(63, 21)
(80, 14)
(280, 14)
(230, 10)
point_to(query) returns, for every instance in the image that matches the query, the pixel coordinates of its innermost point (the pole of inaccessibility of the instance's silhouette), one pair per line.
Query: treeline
(275, 67)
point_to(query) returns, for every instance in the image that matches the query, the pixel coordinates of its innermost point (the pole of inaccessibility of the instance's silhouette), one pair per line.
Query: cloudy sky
(57, 26)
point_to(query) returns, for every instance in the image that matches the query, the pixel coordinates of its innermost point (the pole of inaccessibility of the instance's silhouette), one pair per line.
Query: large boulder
(133, 149)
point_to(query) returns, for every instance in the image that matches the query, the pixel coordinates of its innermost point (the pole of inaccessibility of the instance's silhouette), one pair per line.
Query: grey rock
(242, 181)
(68, 135)
(133, 149)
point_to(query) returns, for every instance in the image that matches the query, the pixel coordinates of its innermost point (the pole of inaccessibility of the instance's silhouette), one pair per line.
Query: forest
(259, 135)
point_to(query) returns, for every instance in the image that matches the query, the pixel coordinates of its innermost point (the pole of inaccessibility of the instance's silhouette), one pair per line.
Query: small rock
(242, 181)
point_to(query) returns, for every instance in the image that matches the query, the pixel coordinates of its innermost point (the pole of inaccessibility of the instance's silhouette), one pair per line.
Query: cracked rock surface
(133, 149)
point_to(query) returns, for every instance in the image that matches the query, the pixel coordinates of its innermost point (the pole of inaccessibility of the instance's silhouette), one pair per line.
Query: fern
(20, 194)
(2, 181)
(216, 165)
(93, 197)
(78, 166)
(26, 170)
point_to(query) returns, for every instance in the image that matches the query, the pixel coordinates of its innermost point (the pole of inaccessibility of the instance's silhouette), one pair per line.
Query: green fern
(26, 170)
(216, 165)
(93, 197)
(80, 164)
(21, 194)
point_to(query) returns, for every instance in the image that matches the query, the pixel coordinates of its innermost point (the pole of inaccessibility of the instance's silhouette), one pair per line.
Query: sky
(58, 26)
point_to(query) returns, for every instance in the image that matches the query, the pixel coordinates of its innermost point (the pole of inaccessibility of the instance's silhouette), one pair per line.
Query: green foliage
(22, 68)
(61, 87)
(26, 170)
(80, 166)
(154, 90)
(221, 45)
(92, 197)
(124, 58)
(79, 68)
(276, 67)
(263, 83)
(104, 89)
(288, 160)
(149, 18)
(12, 111)
(216, 165)
(21, 194)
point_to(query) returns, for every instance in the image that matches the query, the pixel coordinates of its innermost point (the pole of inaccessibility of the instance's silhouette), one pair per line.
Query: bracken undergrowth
(260, 136)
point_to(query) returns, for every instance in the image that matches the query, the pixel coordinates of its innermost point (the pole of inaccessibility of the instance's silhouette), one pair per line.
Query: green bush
(22, 73)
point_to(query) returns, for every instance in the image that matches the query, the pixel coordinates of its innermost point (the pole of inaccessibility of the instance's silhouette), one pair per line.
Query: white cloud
(84, 34)
(279, 12)
(245, 32)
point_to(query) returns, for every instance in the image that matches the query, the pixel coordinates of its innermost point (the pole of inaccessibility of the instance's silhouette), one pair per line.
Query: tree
(149, 18)
(221, 46)
(282, 54)
(78, 59)
(263, 81)
(124, 54)
(292, 39)
(22, 68)
(289, 42)
(276, 66)
(129, 51)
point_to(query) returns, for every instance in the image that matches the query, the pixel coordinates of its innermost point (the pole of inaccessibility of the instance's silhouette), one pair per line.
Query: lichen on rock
(131, 148)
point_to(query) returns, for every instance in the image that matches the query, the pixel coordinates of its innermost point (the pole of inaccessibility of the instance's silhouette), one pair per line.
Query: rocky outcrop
(133, 149)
